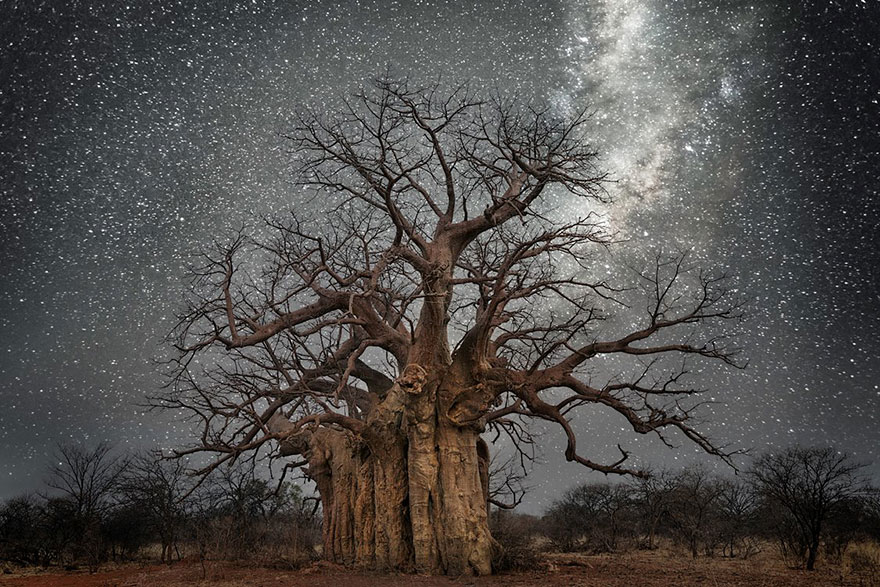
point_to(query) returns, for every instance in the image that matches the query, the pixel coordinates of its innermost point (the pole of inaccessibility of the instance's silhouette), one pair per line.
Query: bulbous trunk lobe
(364, 501)
(463, 526)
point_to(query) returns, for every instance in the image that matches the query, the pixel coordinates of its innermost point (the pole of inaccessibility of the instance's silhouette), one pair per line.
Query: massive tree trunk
(408, 493)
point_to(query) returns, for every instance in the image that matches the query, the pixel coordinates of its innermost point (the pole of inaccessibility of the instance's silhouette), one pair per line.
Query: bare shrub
(244, 517)
(596, 518)
(515, 535)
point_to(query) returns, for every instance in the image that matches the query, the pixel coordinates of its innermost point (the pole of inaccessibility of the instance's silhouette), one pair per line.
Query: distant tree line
(99, 505)
(807, 502)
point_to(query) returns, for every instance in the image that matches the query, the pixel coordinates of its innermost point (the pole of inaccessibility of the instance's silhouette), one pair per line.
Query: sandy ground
(648, 569)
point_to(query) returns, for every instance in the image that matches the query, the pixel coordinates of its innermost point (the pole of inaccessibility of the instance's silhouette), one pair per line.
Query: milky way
(132, 136)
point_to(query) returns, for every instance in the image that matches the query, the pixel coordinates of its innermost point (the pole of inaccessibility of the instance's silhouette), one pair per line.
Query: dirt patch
(642, 569)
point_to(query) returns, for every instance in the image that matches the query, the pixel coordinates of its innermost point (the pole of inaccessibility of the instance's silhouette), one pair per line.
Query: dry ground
(638, 569)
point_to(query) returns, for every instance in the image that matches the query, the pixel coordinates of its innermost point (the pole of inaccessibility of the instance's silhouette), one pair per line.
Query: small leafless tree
(87, 480)
(693, 508)
(738, 508)
(159, 488)
(436, 294)
(568, 519)
(652, 495)
(807, 486)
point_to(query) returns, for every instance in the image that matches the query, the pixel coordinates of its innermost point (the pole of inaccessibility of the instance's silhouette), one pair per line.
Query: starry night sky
(131, 136)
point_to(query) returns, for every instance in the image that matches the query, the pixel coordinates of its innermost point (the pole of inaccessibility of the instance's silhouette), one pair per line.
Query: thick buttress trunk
(409, 493)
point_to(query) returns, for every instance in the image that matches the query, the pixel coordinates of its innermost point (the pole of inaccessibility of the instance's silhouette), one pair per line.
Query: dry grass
(635, 569)
(861, 563)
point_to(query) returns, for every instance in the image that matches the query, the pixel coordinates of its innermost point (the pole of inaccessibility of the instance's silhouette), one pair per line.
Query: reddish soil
(639, 569)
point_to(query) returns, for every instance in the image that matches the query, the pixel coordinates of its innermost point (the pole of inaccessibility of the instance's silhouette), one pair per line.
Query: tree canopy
(425, 289)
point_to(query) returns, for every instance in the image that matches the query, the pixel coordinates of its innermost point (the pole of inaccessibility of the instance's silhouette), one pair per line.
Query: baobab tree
(424, 291)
